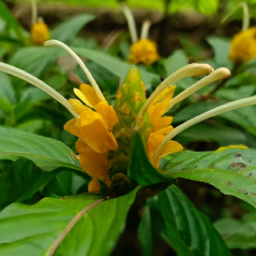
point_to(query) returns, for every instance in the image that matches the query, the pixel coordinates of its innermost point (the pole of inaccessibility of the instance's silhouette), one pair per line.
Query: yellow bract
(143, 51)
(231, 146)
(159, 126)
(243, 46)
(39, 33)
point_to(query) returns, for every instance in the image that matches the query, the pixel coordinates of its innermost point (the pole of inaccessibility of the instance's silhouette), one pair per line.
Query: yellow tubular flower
(39, 33)
(243, 46)
(94, 186)
(231, 146)
(143, 51)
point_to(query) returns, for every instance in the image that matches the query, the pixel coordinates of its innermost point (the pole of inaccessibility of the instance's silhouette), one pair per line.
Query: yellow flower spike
(143, 51)
(231, 146)
(39, 32)
(94, 186)
(243, 46)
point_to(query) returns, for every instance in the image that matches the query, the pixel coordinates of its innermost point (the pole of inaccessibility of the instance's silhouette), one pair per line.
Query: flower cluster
(142, 50)
(105, 132)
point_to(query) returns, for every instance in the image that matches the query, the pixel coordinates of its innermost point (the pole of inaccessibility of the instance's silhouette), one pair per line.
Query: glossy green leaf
(33, 230)
(114, 65)
(221, 50)
(140, 168)
(232, 171)
(21, 179)
(48, 153)
(66, 30)
(188, 231)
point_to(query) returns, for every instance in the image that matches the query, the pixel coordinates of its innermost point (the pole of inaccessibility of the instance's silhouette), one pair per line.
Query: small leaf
(221, 49)
(188, 231)
(6, 90)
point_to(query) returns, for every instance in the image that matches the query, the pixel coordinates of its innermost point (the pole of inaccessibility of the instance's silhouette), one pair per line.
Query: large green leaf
(188, 231)
(232, 171)
(140, 168)
(34, 230)
(48, 153)
(69, 28)
(114, 65)
(20, 180)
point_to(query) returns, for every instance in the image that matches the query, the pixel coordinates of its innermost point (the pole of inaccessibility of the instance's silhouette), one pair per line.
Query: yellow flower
(231, 146)
(39, 33)
(143, 51)
(94, 186)
(243, 46)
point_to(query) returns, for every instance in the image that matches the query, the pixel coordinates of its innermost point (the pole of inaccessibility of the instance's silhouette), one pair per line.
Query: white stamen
(216, 111)
(145, 29)
(246, 17)
(131, 22)
(193, 69)
(218, 74)
(38, 83)
(33, 12)
(80, 62)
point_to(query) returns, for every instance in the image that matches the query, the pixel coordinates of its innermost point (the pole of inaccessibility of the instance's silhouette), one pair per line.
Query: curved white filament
(193, 69)
(33, 12)
(131, 22)
(81, 64)
(216, 111)
(246, 17)
(145, 29)
(218, 74)
(38, 83)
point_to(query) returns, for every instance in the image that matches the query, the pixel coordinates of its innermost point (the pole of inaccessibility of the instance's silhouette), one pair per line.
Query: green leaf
(220, 46)
(114, 65)
(6, 15)
(20, 180)
(232, 171)
(140, 168)
(48, 153)
(145, 232)
(33, 230)
(238, 234)
(188, 231)
(66, 30)
(6, 91)
(175, 61)
(34, 60)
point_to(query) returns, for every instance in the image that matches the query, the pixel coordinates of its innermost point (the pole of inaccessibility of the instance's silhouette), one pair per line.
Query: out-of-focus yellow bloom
(231, 146)
(143, 51)
(243, 46)
(39, 33)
